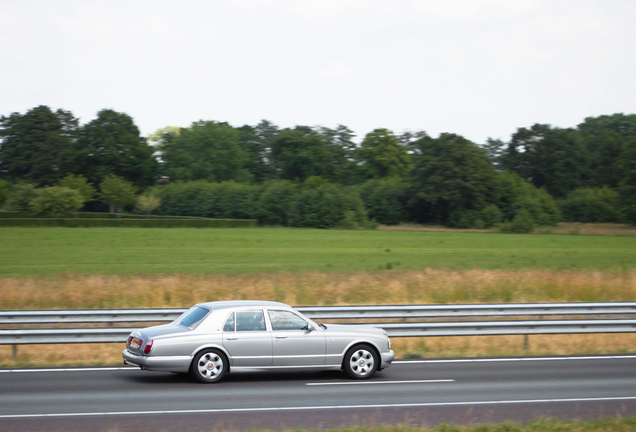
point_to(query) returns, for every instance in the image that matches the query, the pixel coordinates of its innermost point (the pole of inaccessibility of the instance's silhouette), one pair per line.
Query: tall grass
(315, 288)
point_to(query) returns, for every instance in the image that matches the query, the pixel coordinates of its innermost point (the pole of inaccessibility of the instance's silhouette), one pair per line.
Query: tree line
(320, 177)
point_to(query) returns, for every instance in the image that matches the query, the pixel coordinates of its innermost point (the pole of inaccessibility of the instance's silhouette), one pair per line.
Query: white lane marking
(323, 407)
(377, 382)
(70, 369)
(513, 359)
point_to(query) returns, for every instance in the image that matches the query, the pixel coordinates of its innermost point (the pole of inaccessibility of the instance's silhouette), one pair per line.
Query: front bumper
(387, 358)
(158, 363)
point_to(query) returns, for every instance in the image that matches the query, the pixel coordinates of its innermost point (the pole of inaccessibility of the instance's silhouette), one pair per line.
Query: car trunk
(150, 333)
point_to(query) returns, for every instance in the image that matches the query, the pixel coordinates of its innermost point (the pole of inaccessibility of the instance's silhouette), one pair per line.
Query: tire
(361, 362)
(209, 366)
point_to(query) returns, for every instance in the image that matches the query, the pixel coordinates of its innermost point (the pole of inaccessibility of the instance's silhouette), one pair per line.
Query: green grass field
(32, 251)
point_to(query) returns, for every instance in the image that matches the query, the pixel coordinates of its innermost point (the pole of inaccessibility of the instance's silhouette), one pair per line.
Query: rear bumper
(158, 363)
(387, 358)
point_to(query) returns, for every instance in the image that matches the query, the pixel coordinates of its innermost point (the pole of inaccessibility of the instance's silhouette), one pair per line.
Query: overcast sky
(477, 68)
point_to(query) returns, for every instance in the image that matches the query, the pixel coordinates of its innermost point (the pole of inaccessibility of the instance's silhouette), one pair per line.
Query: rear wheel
(209, 366)
(361, 362)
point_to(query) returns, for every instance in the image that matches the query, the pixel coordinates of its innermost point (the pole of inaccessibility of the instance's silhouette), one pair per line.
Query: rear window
(192, 317)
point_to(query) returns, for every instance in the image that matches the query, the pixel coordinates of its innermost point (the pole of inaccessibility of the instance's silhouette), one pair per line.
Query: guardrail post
(14, 351)
(526, 342)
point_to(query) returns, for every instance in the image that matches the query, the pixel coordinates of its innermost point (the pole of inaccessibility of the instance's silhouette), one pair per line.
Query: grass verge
(31, 251)
(437, 286)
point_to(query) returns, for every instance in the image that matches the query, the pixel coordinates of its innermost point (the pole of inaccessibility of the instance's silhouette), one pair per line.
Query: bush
(92, 215)
(317, 208)
(204, 199)
(515, 195)
(491, 216)
(21, 196)
(275, 201)
(521, 224)
(55, 201)
(147, 203)
(128, 223)
(591, 205)
(4, 192)
(117, 192)
(465, 219)
(327, 206)
(385, 200)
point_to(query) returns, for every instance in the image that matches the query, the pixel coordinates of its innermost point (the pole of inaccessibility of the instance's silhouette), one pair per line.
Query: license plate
(136, 343)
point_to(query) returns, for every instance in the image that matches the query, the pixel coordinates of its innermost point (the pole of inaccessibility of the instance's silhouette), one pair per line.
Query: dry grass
(314, 288)
(473, 346)
(570, 228)
(392, 287)
(616, 424)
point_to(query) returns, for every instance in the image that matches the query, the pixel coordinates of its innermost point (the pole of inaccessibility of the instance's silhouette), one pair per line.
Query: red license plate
(135, 343)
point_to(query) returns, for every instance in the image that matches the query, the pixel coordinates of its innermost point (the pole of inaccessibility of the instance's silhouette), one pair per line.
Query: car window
(285, 320)
(193, 316)
(250, 320)
(229, 324)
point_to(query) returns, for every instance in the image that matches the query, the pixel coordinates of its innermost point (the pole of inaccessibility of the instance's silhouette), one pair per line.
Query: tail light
(130, 338)
(148, 347)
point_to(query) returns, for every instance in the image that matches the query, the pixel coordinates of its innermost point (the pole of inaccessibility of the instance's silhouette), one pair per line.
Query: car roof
(241, 303)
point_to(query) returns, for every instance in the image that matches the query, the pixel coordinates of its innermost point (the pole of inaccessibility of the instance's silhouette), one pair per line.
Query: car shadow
(150, 377)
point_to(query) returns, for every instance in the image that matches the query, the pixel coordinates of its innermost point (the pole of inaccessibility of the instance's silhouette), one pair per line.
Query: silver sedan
(212, 339)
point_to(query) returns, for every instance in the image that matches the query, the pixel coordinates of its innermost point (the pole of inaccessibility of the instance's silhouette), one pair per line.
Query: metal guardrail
(484, 328)
(394, 329)
(330, 312)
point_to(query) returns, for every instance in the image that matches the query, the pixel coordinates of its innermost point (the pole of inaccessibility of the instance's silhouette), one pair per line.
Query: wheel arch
(212, 346)
(360, 342)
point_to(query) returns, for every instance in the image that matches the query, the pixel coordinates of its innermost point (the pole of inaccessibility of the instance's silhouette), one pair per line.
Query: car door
(293, 343)
(246, 338)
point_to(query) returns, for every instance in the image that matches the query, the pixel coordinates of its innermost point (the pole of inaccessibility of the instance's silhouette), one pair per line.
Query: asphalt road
(418, 391)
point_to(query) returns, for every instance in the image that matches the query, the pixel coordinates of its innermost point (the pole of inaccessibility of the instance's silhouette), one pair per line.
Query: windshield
(192, 317)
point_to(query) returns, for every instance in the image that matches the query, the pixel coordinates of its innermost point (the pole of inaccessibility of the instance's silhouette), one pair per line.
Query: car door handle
(232, 338)
(281, 337)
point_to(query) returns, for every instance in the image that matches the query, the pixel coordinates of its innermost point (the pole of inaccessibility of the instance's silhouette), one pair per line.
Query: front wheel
(209, 366)
(361, 362)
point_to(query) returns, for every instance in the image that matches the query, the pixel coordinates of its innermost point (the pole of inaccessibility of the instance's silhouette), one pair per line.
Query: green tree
(515, 194)
(159, 137)
(301, 153)
(111, 144)
(451, 175)
(117, 193)
(342, 148)
(147, 203)
(81, 185)
(627, 188)
(382, 155)
(206, 150)
(591, 205)
(523, 223)
(604, 137)
(4, 192)
(22, 194)
(55, 201)
(34, 145)
(553, 158)
(494, 149)
(255, 142)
